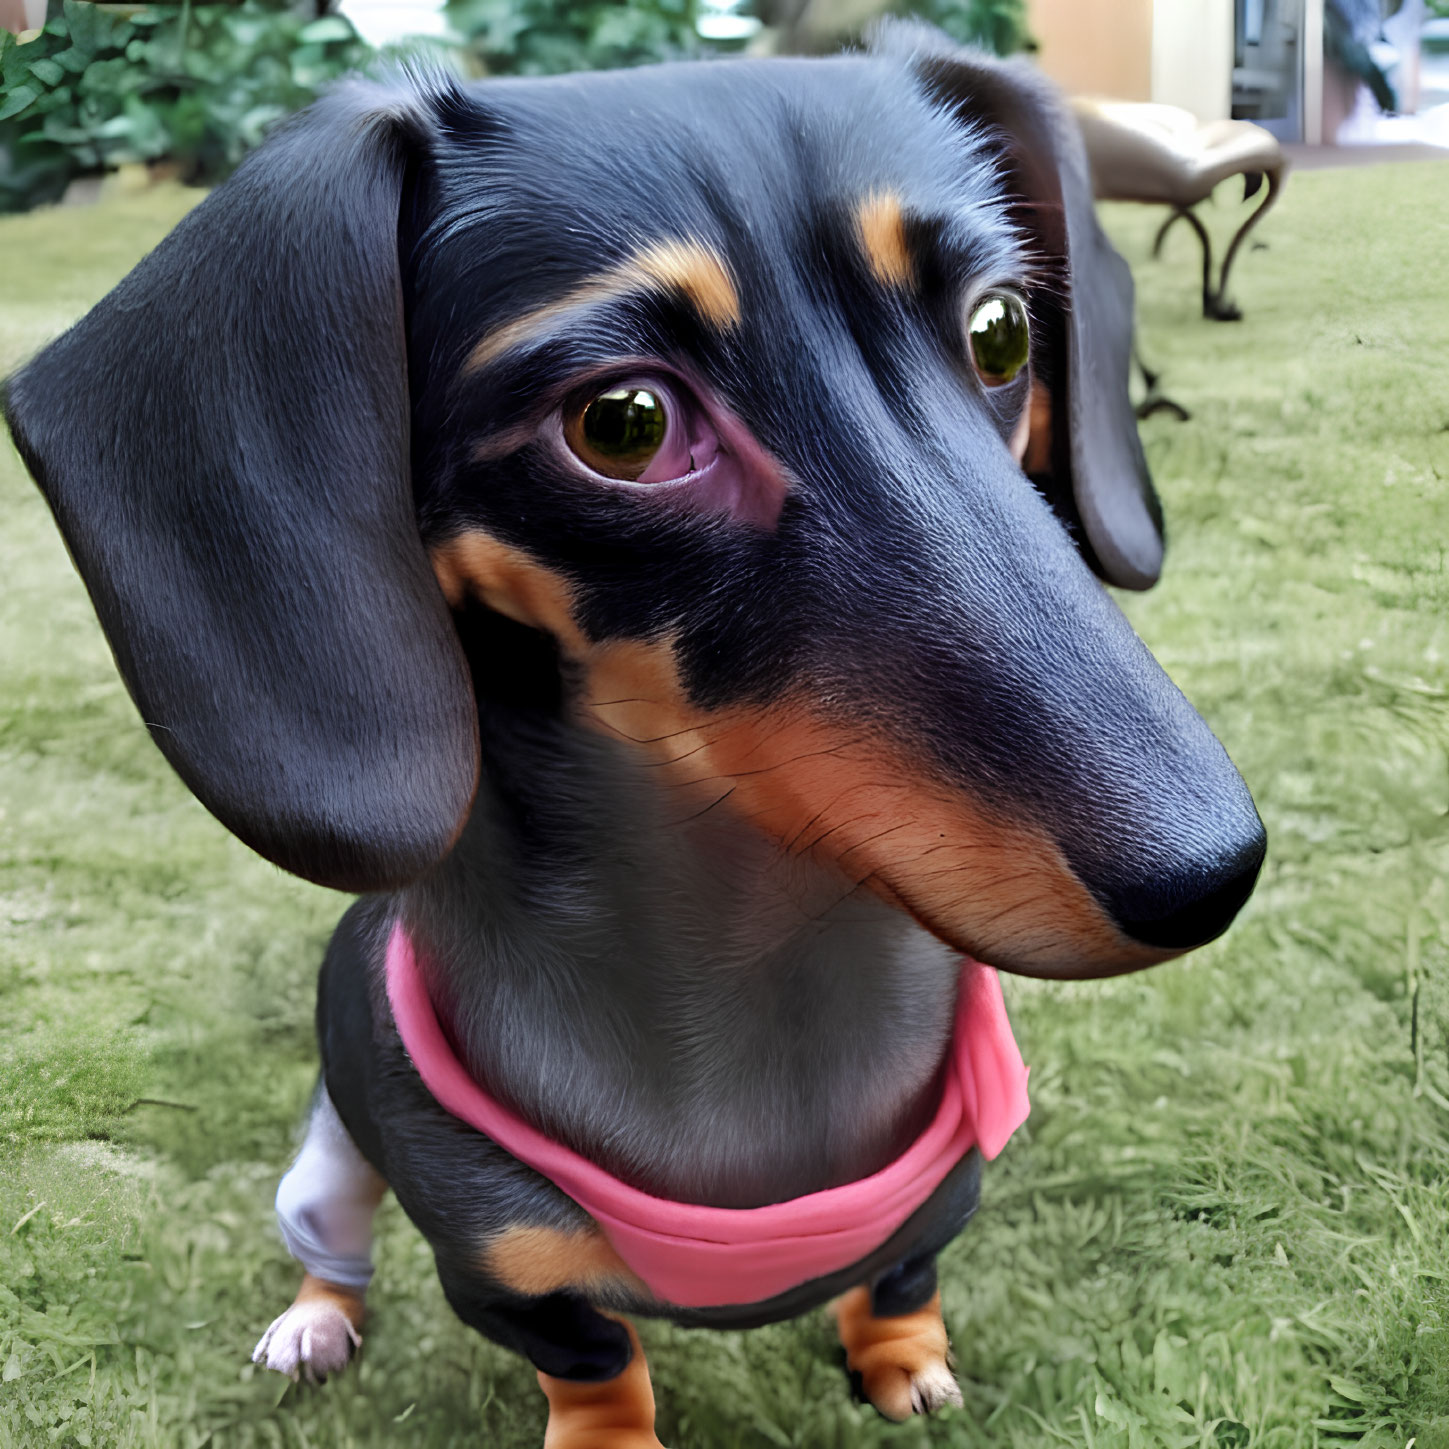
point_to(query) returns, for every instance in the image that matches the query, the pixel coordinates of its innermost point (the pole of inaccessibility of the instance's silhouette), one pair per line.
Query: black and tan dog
(639, 531)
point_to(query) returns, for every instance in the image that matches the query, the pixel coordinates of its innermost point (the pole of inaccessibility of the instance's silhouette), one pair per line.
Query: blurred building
(1175, 51)
(1314, 71)
(22, 15)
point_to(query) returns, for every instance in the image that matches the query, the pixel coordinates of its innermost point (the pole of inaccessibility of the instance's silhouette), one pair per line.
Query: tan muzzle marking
(993, 887)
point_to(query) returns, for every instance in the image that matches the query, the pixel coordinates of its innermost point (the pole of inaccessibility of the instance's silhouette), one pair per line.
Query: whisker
(879, 835)
(841, 826)
(690, 819)
(674, 760)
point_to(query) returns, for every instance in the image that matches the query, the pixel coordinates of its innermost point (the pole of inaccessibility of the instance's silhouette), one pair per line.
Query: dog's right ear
(224, 443)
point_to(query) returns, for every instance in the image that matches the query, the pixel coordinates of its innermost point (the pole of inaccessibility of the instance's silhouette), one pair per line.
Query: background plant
(545, 37)
(996, 25)
(541, 37)
(196, 85)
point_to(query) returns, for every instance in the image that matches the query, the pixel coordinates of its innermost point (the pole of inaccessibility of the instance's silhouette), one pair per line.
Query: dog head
(718, 381)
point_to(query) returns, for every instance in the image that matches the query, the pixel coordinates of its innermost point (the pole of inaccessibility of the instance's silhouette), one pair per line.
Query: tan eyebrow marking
(882, 230)
(693, 270)
(699, 273)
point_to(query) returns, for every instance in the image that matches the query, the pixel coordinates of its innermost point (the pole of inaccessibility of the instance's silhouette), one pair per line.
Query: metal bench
(1163, 155)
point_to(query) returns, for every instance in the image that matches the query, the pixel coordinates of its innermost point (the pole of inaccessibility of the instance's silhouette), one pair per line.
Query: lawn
(1224, 1224)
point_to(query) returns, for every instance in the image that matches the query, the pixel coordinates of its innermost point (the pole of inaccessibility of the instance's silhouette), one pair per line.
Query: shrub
(544, 37)
(995, 25)
(197, 85)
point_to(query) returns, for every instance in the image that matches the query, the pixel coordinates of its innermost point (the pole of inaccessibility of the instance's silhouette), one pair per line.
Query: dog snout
(1076, 814)
(1179, 904)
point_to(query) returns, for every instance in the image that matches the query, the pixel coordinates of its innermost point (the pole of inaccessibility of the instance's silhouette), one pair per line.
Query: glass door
(1268, 69)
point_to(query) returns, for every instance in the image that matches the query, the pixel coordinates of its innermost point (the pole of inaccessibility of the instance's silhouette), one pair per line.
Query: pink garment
(701, 1257)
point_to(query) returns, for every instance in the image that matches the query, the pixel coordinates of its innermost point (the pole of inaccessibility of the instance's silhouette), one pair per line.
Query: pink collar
(700, 1257)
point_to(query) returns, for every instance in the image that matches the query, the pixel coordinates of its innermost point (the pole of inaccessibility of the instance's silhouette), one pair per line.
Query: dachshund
(645, 534)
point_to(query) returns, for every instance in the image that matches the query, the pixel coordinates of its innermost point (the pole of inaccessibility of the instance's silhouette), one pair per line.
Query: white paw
(934, 1387)
(900, 1391)
(309, 1340)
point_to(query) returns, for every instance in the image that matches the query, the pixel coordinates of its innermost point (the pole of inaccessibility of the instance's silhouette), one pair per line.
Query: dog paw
(603, 1437)
(310, 1340)
(898, 1392)
(903, 1363)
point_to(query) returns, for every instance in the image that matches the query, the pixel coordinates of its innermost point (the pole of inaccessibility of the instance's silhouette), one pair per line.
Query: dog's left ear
(1096, 470)
(224, 442)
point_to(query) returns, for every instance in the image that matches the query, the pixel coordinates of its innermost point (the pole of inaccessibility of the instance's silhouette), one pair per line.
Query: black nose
(1189, 906)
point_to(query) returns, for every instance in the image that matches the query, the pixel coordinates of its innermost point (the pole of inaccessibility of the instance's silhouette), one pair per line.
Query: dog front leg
(895, 1341)
(325, 1206)
(590, 1364)
(617, 1413)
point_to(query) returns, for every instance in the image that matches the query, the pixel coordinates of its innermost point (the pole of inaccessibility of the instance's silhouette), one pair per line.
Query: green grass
(1225, 1223)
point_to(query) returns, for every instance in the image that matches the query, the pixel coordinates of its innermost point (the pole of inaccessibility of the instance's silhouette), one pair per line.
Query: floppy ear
(224, 443)
(1097, 469)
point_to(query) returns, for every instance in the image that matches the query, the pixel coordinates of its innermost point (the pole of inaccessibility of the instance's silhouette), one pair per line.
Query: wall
(1096, 47)
(1192, 56)
(18, 15)
(1176, 51)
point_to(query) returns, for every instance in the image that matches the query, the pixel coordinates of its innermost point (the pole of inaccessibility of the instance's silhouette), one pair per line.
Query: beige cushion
(1140, 151)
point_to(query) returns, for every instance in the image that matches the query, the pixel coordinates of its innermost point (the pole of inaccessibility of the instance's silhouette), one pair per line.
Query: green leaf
(329, 27)
(16, 59)
(106, 89)
(253, 125)
(47, 71)
(94, 27)
(107, 79)
(246, 30)
(72, 59)
(57, 129)
(17, 100)
(80, 22)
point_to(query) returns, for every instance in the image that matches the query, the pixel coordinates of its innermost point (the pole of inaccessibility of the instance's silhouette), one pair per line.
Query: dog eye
(1000, 338)
(619, 432)
(641, 430)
